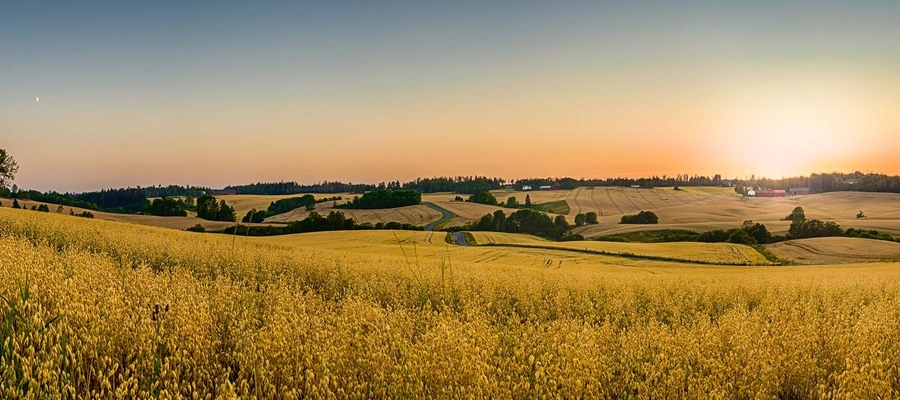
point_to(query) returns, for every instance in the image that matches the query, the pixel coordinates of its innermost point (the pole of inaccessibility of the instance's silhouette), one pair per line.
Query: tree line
(524, 221)
(315, 222)
(281, 206)
(378, 198)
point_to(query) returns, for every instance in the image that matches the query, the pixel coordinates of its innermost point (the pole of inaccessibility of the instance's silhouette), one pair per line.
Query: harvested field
(836, 250)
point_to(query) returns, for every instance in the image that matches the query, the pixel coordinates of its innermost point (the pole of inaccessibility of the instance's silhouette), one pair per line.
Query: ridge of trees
(643, 217)
(524, 221)
(314, 222)
(379, 198)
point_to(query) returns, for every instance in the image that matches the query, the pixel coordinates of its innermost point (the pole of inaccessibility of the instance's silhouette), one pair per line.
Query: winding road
(459, 239)
(446, 216)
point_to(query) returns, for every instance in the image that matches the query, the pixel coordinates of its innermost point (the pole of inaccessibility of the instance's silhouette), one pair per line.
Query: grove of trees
(524, 221)
(643, 217)
(384, 199)
(209, 209)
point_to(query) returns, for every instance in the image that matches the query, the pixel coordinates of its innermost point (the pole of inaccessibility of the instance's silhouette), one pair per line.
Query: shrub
(643, 217)
(196, 228)
(713, 236)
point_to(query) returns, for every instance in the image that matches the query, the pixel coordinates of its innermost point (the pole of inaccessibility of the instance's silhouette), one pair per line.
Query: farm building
(751, 192)
(771, 193)
(798, 191)
(556, 186)
(526, 187)
(545, 187)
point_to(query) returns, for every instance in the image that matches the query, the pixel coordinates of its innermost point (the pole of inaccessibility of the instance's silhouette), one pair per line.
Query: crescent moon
(37, 99)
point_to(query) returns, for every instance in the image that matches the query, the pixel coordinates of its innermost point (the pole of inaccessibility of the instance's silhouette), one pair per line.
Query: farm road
(446, 216)
(459, 239)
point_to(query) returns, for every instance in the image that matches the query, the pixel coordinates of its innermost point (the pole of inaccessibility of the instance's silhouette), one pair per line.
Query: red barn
(799, 191)
(771, 193)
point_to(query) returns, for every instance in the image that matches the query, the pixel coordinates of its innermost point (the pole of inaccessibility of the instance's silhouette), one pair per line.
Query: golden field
(99, 309)
(833, 250)
(697, 209)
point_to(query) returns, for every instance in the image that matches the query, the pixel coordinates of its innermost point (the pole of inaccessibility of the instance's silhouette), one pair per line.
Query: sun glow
(792, 132)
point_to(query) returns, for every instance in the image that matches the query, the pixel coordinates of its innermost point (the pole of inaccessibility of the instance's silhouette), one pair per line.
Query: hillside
(833, 250)
(713, 253)
(196, 314)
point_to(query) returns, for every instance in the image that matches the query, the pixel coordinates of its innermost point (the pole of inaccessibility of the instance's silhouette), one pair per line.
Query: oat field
(99, 309)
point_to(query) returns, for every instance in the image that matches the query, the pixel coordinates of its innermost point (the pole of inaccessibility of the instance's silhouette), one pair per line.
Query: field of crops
(721, 253)
(99, 309)
(833, 250)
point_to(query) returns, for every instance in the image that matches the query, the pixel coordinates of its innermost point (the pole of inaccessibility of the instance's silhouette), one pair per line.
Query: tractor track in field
(625, 195)
(666, 202)
(575, 200)
(641, 193)
(616, 205)
(596, 203)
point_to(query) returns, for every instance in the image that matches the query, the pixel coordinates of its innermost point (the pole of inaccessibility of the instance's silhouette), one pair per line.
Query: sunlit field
(99, 309)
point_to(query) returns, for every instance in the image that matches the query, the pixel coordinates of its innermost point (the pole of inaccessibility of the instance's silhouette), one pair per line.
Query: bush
(740, 236)
(801, 229)
(757, 231)
(571, 237)
(643, 217)
(797, 215)
(713, 236)
(196, 228)
(591, 218)
(482, 197)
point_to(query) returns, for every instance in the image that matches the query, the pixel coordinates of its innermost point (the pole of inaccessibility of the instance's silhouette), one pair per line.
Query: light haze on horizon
(218, 93)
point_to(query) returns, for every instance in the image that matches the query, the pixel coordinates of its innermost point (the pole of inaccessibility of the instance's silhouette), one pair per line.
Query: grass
(651, 236)
(553, 207)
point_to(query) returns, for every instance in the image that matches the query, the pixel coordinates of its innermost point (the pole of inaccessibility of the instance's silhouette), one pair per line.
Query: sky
(213, 93)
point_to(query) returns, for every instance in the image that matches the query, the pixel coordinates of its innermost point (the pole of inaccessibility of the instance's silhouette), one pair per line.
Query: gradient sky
(220, 92)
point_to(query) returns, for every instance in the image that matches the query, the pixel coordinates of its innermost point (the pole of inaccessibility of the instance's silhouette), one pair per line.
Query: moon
(37, 99)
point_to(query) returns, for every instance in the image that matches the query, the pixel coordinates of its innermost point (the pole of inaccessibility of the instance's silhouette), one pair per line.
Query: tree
(797, 215)
(527, 201)
(8, 168)
(207, 207)
(59, 209)
(643, 217)
(714, 236)
(499, 221)
(801, 229)
(757, 231)
(225, 213)
(580, 219)
(739, 236)
(512, 202)
(591, 218)
(43, 208)
(483, 197)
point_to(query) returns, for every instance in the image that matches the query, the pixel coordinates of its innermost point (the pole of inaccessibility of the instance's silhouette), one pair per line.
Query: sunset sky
(220, 92)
